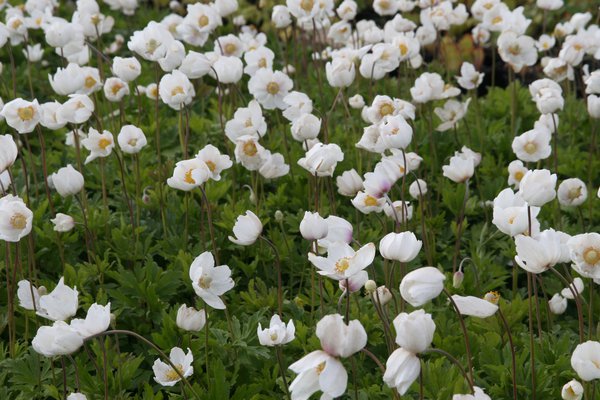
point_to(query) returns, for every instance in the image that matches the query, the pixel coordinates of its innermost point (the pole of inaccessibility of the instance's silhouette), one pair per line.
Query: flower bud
(278, 216)
(457, 279)
(370, 286)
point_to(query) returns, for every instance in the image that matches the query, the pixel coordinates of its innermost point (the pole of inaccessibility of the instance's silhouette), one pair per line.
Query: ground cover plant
(316, 199)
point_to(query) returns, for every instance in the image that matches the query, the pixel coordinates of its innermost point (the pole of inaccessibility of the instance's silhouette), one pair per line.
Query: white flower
(67, 80)
(572, 192)
(249, 152)
(342, 261)
(557, 304)
(60, 304)
(305, 127)
(176, 90)
(152, 42)
(56, 340)
(572, 390)
(247, 229)
(63, 222)
(190, 319)
(418, 188)
(452, 112)
(516, 172)
(469, 78)
(403, 247)
(356, 101)
(127, 69)
(15, 219)
(421, 285)
(538, 187)
(210, 282)
(214, 160)
(478, 394)
(273, 166)
(585, 360)
(414, 331)
(247, 121)
(278, 333)
(115, 89)
(349, 183)
(189, 174)
(313, 226)
(77, 110)
(131, 139)
(474, 306)
(99, 144)
(96, 321)
(166, 375)
(76, 396)
(25, 292)
(67, 181)
(536, 255)
(296, 104)
(21, 115)
(459, 169)
(270, 88)
(401, 370)
(8, 152)
(322, 159)
(585, 254)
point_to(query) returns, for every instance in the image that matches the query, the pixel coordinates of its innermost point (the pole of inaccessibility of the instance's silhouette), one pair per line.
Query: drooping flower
(57, 340)
(247, 229)
(585, 360)
(421, 285)
(190, 319)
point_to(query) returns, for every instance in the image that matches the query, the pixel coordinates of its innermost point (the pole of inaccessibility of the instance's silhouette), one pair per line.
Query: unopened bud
(299, 302)
(278, 216)
(146, 198)
(370, 286)
(458, 279)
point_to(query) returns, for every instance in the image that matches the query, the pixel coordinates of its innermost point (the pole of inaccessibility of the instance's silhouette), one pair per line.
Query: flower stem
(465, 334)
(279, 278)
(512, 352)
(282, 370)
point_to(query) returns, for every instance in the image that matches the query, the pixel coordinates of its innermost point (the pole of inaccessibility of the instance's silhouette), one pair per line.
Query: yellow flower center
(320, 368)
(104, 143)
(591, 256)
(248, 123)
(95, 19)
(515, 50)
(176, 90)
(18, 221)
(370, 201)
(307, 5)
(273, 88)
(187, 178)
(493, 297)
(152, 45)
(496, 20)
(154, 91)
(204, 282)
(519, 175)
(173, 375)
(530, 148)
(574, 193)
(342, 265)
(250, 149)
(386, 109)
(26, 113)
(262, 63)
(273, 337)
(89, 82)
(403, 49)
(116, 87)
(230, 48)
(16, 24)
(132, 142)
(203, 21)
(384, 4)
(211, 165)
